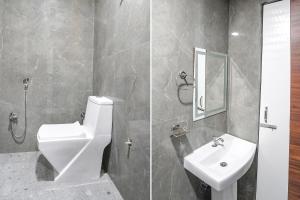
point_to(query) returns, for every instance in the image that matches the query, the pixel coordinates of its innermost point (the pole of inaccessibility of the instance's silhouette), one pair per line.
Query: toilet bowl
(74, 150)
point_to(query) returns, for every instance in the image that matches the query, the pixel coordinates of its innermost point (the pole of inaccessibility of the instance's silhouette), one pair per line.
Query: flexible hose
(19, 139)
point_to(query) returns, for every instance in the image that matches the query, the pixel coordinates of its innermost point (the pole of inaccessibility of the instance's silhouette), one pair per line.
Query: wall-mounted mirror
(210, 91)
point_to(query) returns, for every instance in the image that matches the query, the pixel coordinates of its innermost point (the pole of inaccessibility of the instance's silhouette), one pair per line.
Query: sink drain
(223, 164)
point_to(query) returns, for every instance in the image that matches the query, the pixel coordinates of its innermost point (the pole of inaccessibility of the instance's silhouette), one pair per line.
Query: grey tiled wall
(121, 70)
(245, 62)
(52, 43)
(245, 67)
(178, 27)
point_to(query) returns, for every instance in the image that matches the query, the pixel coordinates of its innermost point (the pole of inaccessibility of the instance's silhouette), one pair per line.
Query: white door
(273, 148)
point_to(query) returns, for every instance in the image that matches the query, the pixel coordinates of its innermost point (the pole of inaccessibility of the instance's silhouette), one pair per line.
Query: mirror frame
(205, 114)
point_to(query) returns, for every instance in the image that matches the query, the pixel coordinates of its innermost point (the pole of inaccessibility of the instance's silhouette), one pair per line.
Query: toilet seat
(62, 132)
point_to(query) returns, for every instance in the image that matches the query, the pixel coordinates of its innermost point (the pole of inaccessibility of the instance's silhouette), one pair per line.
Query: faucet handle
(215, 139)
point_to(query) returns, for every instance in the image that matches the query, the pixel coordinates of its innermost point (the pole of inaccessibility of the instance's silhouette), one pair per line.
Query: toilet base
(85, 166)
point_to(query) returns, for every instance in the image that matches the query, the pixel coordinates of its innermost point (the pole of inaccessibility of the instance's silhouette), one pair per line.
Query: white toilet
(74, 150)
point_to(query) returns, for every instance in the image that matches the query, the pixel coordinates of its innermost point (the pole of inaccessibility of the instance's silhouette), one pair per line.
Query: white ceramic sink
(205, 163)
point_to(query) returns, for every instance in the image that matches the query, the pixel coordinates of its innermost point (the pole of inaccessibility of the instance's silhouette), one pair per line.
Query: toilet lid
(100, 100)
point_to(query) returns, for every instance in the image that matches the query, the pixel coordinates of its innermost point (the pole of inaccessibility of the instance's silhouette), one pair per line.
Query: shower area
(46, 54)
(48, 60)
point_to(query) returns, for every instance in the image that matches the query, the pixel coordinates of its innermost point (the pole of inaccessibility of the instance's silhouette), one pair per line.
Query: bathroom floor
(28, 175)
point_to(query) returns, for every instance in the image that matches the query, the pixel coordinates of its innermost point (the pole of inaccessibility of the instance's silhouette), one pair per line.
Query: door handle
(266, 114)
(270, 126)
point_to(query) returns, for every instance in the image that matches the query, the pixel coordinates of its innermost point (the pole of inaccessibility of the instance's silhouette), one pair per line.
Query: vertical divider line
(150, 70)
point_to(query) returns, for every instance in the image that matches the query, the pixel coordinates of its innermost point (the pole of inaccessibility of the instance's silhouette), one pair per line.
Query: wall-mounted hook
(183, 76)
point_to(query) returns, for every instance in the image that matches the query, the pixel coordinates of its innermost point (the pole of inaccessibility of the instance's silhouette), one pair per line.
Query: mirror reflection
(210, 91)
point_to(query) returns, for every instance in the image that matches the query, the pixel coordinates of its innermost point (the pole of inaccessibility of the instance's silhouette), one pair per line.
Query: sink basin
(221, 166)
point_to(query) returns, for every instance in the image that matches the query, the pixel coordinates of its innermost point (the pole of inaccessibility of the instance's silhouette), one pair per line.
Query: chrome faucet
(217, 141)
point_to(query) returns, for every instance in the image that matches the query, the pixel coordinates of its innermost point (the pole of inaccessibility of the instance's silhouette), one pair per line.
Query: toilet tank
(98, 116)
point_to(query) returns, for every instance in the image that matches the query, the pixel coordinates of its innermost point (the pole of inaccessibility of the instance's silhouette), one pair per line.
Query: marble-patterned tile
(244, 80)
(50, 42)
(122, 70)
(243, 106)
(121, 26)
(245, 65)
(178, 27)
